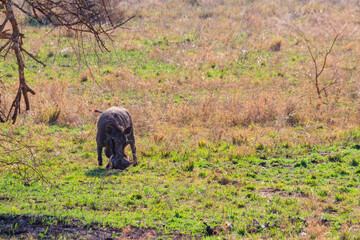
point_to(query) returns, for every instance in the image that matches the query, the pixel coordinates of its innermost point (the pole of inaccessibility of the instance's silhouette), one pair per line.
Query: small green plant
(339, 197)
(137, 196)
(189, 166)
(335, 158)
(202, 174)
(354, 163)
(42, 235)
(286, 145)
(46, 230)
(301, 164)
(323, 193)
(250, 187)
(224, 181)
(344, 172)
(260, 147)
(241, 231)
(241, 204)
(32, 220)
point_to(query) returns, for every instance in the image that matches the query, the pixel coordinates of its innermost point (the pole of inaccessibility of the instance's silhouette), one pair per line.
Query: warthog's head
(118, 162)
(115, 148)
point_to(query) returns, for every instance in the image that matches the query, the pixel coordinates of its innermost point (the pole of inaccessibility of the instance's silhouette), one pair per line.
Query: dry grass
(240, 70)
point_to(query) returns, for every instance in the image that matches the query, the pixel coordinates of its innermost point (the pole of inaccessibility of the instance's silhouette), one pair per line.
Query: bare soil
(48, 227)
(270, 192)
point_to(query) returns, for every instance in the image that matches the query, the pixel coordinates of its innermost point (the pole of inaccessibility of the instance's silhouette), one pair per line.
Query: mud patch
(48, 227)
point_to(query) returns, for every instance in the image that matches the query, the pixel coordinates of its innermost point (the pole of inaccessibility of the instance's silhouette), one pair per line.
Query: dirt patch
(48, 227)
(4, 198)
(270, 192)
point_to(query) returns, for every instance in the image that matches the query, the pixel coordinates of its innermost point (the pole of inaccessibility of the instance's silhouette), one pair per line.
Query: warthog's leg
(133, 150)
(99, 151)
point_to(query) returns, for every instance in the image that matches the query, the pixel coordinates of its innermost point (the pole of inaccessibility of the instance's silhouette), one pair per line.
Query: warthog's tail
(95, 111)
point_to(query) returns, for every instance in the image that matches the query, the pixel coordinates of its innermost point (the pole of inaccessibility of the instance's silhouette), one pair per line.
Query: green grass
(181, 190)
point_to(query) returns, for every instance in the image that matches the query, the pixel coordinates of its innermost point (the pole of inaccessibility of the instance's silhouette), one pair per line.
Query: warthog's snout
(118, 162)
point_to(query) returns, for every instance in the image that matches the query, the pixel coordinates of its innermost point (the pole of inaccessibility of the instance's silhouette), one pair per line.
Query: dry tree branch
(80, 16)
(3, 24)
(16, 40)
(318, 72)
(327, 54)
(5, 45)
(33, 57)
(27, 13)
(2, 114)
(319, 65)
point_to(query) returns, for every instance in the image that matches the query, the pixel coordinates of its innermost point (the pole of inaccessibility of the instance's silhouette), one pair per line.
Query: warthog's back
(116, 117)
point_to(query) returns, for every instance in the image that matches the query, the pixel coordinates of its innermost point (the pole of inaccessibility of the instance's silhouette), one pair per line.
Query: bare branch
(22, 158)
(27, 13)
(317, 72)
(5, 45)
(310, 78)
(3, 24)
(327, 54)
(90, 16)
(313, 59)
(120, 24)
(32, 56)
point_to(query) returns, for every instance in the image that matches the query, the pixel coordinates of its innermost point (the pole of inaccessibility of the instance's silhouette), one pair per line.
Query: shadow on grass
(102, 172)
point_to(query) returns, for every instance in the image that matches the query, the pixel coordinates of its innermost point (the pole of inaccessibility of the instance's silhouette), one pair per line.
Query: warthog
(115, 132)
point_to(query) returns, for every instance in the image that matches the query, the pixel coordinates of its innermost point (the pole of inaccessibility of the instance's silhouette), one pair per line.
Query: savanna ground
(232, 137)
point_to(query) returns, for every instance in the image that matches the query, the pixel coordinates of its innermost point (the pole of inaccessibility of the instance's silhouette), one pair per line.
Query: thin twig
(32, 56)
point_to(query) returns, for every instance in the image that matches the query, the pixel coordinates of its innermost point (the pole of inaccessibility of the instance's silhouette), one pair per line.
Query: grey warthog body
(114, 132)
